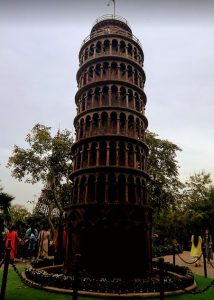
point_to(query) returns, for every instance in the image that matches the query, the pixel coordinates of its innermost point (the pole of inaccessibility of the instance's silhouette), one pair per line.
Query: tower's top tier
(111, 23)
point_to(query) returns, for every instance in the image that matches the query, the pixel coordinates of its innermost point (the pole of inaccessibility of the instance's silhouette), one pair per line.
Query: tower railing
(109, 17)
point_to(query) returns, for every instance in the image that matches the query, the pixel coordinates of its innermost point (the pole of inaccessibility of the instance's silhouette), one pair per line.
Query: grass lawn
(16, 290)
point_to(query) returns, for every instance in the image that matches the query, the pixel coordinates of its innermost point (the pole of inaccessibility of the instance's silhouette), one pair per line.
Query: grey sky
(39, 44)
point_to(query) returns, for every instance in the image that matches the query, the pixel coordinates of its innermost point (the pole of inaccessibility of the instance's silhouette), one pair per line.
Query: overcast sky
(39, 44)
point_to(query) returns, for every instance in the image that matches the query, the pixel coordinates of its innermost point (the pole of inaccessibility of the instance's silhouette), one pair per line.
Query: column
(117, 153)
(86, 191)
(126, 155)
(106, 191)
(135, 161)
(127, 100)
(107, 153)
(92, 99)
(126, 191)
(109, 93)
(118, 125)
(89, 154)
(98, 155)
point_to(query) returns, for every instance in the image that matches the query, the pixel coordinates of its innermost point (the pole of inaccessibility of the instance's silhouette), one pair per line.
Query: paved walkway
(196, 270)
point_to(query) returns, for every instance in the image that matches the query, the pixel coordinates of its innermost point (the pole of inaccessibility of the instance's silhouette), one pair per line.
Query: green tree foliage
(164, 185)
(19, 213)
(198, 202)
(48, 160)
(5, 201)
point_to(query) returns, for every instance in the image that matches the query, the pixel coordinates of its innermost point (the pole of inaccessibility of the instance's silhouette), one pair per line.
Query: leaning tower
(109, 218)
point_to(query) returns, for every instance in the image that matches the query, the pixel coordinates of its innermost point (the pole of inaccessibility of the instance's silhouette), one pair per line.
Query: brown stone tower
(109, 217)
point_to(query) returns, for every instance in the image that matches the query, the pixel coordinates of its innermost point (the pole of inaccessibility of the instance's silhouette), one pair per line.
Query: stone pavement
(196, 270)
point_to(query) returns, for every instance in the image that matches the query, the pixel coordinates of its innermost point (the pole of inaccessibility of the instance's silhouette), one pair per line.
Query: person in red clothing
(60, 241)
(12, 236)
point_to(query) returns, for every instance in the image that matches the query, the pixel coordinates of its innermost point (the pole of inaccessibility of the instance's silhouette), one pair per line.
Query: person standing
(31, 236)
(43, 243)
(196, 248)
(208, 245)
(12, 241)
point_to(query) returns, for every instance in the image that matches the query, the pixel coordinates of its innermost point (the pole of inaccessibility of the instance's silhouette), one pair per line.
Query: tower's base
(112, 239)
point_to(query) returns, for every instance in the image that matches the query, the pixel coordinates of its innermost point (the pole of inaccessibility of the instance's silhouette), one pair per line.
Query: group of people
(196, 247)
(30, 242)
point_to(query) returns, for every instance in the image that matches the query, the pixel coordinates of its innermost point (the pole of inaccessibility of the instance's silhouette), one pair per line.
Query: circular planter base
(107, 294)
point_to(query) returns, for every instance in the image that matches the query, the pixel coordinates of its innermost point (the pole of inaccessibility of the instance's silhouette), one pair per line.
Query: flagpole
(114, 7)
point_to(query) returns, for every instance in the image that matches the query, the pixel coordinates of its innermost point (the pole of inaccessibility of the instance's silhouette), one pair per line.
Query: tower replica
(109, 218)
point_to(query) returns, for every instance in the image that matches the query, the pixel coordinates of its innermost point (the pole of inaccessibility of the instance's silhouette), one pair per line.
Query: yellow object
(196, 251)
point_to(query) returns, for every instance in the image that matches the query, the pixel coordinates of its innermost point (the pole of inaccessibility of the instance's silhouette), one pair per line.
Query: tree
(164, 185)
(47, 160)
(197, 189)
(19, 213)
(198, 202)
(5, 201)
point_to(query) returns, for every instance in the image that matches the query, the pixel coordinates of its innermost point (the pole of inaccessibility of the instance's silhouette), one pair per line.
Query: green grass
(16, 290)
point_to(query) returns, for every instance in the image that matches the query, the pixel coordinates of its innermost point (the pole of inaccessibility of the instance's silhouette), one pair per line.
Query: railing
(109, 17)
(113, 53)
(111, 31)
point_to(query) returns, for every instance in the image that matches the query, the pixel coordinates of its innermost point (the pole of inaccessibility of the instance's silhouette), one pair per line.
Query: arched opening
(75, 191)
(93, 154)
(123, 71)
(114, 46)
(136, 77)
(129, 49)
(103, 153)
(130, 156)
(91, 50)
(91, 188)
(82, 190)
(98, 47)
(86, 53)
(105, 70)
(97, 71)
(105, 96)
(122, 123)
(129, 73)
(138, 128)
(90, 74)
(95, 121)
(78, 157)
(104, 120)
(114, 95)
(122, 154)
(131, 189)
(106, 46)
(131, 125)
(123, 96)
(113, 122)
(121, 188)
(138, 190)
(112, 156)
(130, 97)
(81, 128)
(85, 156)
(137, 102)
(138, 157)
(122, 47)
(101, 183)
(89, 99)
(112, 190)
(97, 97)
(87, 125)
(114, 70)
